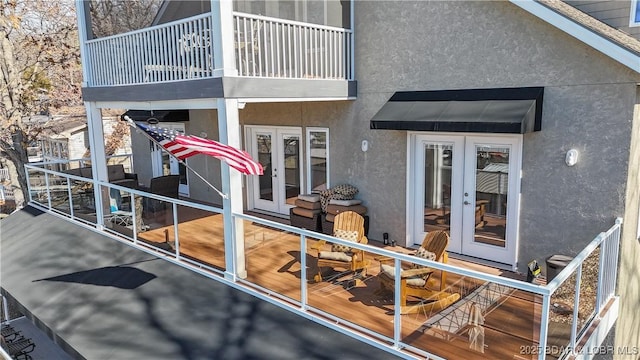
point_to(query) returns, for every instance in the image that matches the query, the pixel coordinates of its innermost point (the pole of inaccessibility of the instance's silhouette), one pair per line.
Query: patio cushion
(305, 212)
(337, 209)
(334, 255)
(346, 235)
(309, 197)
(425, 254)
(345, 202)
(308, 205)
(390, 271)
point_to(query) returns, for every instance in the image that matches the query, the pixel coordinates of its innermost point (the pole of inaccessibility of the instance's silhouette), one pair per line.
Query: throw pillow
(349, 191)
(425, 254)
(346, 235)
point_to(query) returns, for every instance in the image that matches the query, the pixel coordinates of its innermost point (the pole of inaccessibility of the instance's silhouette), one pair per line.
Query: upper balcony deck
(175, 61)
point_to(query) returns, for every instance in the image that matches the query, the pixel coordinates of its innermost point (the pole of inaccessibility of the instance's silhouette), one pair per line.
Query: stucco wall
(587, 106)
(204, 121)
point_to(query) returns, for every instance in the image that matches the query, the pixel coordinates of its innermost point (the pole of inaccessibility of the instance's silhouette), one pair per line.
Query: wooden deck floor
(273, 262)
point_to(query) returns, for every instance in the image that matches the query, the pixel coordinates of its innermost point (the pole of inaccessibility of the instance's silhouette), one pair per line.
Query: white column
(98, 159)
(229, 128)
(222, 35)
(83, 21)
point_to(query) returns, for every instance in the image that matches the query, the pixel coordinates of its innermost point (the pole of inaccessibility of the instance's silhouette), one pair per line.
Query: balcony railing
(519, 318)
(181, 50)
(4, 174)
(269, 47)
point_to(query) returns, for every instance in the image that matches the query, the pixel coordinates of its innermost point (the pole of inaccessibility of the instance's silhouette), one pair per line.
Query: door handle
(275, 173)
(466, 202)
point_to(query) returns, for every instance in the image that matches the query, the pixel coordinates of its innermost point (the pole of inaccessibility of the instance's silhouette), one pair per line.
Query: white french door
(164, 164)
(467, 185)
(279, 150)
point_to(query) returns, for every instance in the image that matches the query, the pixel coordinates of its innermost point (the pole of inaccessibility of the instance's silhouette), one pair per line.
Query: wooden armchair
(347, 225)
(416, 281)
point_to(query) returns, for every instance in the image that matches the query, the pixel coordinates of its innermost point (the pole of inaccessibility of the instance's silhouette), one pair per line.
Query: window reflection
(492, 174)
(437, 192)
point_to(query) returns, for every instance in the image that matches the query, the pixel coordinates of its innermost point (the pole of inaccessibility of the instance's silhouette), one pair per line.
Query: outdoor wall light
(365, 145)
(572, 157)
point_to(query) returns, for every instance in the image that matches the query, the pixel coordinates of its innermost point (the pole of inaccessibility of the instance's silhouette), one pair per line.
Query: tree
(39, 64)
(110, 17)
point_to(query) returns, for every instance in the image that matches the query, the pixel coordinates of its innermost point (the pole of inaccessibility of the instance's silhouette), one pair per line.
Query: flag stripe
(185, 146)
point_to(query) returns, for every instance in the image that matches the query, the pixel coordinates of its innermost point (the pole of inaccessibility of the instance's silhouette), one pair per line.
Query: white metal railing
(6, 193)
(608, 244)
(177, 50)
(183, 49)
(270, 47)
(4, 174)
(493, 289)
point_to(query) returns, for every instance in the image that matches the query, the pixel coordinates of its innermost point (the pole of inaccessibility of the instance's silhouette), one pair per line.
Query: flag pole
(133, 124)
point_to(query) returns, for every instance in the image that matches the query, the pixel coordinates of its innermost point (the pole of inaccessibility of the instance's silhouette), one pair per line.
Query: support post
(229, 131)
(98, 160)
(223, 39)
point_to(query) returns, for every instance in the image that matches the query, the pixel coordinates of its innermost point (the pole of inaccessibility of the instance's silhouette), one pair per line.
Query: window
(317, 159)
(635, 13)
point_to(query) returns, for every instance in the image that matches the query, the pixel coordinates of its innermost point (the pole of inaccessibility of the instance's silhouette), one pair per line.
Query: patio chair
(416, 281)
(19, 348)
(347, 225)
(9, 333)
(166, 185)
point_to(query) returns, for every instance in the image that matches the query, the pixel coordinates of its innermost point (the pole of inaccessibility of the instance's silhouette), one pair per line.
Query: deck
(512, 317)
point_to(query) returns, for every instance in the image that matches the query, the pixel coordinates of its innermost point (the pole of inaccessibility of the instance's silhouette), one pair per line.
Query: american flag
(184, 146)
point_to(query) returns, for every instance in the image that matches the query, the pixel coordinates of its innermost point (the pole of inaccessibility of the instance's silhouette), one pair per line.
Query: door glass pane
(182, 171)
(318, 160)
(264, 157)
(166, 163)
(291, 146)
(437, 187)
(492, 174)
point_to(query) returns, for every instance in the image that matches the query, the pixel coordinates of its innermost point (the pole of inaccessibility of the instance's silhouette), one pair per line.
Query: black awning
(504, 110)
(160, 115)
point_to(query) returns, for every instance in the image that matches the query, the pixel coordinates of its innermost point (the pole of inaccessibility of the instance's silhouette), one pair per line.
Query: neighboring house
(512, 125)
(70, 140)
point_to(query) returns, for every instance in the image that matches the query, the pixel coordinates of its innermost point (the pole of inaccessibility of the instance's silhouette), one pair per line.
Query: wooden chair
(416, 281)
(347, 225)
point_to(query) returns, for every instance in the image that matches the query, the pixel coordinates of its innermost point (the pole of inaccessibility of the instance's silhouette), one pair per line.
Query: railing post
(303, 272)
(600, 288)
(134, 215)
(397, 318)
(576, 306)
(544, 326)
(174, 207)
(222, 38)
(84, 19)
(70, 197)
(352, 42)
(46, 181)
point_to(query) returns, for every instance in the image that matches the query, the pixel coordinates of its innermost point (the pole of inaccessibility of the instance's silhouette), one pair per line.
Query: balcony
(521, 319)
(265, 48)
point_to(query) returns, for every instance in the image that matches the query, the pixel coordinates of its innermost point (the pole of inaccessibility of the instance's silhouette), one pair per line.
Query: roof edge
(606, 46)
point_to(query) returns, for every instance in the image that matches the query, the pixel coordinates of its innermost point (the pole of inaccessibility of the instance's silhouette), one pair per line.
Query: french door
(279, 150)
(467, 186)
(164, 164)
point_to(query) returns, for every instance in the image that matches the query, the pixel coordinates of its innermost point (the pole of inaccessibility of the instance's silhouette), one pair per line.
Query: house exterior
(71, 140)
(512, 125)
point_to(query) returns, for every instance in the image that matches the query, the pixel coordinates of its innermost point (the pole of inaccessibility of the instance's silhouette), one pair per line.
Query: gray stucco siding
(563, 208)
(468, 45)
